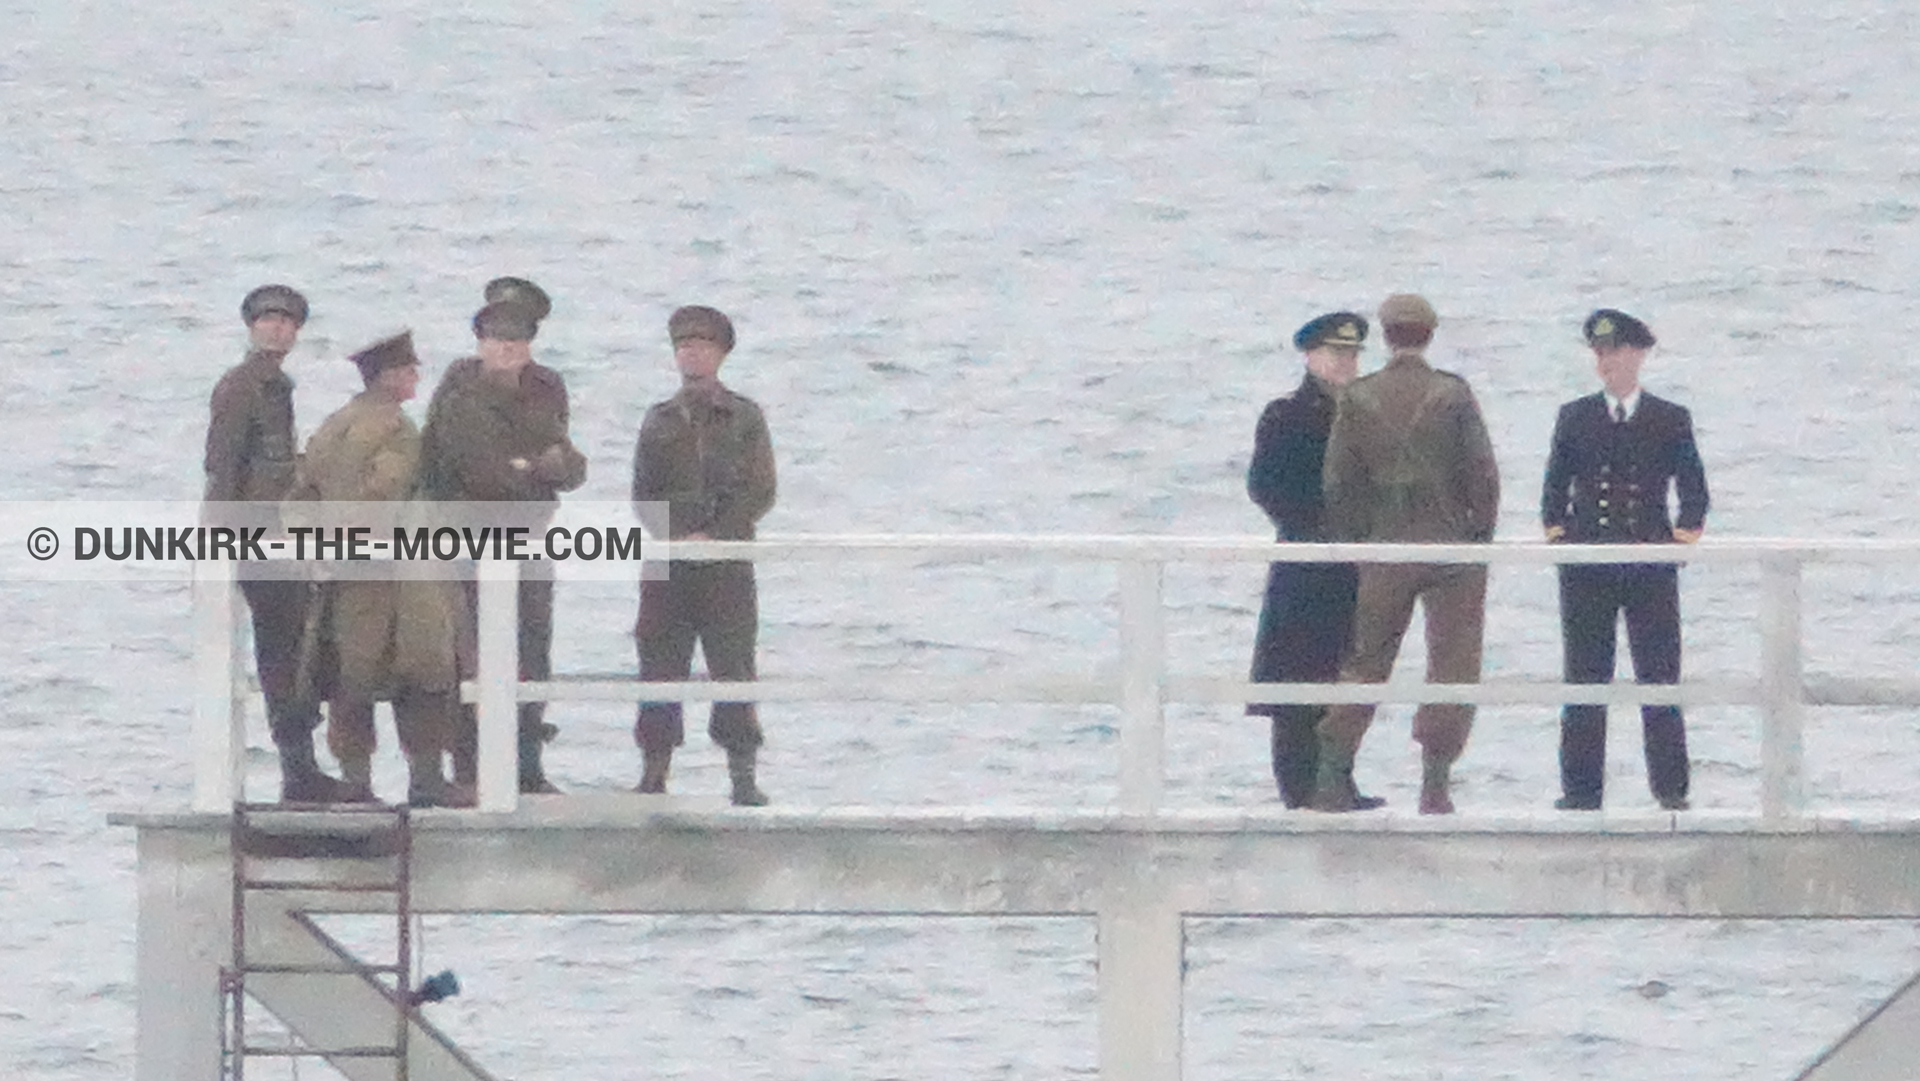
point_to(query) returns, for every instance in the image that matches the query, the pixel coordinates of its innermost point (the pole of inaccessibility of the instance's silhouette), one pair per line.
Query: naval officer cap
(700, 321)
(506, 321)
(522, 292)
(1342, 329)
(284, 299)
(1609, 327)
(394, 352)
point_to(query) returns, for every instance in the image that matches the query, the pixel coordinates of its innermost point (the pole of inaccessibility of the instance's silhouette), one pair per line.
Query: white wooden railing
(1142, 684)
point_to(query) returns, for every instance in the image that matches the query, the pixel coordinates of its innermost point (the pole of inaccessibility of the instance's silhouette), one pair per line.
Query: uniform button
(1603, 519)
(1605, 469)
(1603, 504)
(1633, 487)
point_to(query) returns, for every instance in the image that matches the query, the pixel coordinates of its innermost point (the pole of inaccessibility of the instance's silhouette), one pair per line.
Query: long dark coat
(1307, 613)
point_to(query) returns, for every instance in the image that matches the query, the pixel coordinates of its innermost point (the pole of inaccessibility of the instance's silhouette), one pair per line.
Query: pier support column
(183, 937)
(1142, 972)
(1883, 1047)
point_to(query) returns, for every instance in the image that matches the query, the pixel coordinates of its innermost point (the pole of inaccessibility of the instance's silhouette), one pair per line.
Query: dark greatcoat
(1307, 613)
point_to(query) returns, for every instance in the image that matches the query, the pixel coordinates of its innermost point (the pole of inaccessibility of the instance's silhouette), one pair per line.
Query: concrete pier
(1137, 868)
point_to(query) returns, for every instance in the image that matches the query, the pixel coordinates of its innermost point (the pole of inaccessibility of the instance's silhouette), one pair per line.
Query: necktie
(1619, 413)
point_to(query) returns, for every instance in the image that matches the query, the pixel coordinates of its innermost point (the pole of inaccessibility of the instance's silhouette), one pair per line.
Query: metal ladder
(268, 833)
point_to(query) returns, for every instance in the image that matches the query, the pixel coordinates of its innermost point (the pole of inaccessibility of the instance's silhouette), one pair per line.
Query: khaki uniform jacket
(477, 426)
(709, 460)
(250, 442)
(386, 634)
(1409, 459)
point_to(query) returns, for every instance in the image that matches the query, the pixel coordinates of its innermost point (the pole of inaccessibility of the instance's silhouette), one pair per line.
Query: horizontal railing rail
(1136, 681)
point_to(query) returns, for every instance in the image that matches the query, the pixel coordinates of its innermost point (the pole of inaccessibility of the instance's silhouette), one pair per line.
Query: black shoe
(315, 787)
(1674, 803)
(1570, 803)
(1367, 803)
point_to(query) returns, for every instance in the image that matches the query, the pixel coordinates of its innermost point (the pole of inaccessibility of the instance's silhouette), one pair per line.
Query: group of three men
(1402, 455)
(496, 433)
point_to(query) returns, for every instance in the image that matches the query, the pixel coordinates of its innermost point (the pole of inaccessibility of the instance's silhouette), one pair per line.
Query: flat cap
(394, 352)
(506, 321)
(522, 292)
(699, 321)
(1408, 309)
(284, 299)
(1334, 328)
(1609, 327)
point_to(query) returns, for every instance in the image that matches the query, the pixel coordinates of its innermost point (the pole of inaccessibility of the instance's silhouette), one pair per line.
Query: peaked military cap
(699, 321)
(284, 299)
(394, 352)
(522, 292)
(506, 321)
(1334, 328)
(1408, 309)
(1609, 327)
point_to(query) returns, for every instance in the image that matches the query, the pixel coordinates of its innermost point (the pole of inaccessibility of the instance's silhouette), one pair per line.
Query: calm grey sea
(996, 267)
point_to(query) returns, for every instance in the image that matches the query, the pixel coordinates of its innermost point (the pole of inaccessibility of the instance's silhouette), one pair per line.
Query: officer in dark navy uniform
(1615, 457)
(1307, 615)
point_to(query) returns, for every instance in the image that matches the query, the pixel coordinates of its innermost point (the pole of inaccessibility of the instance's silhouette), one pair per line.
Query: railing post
(1143, 665)
(497, 681)
(1783, 689)
(1142, 951)
(219, 700)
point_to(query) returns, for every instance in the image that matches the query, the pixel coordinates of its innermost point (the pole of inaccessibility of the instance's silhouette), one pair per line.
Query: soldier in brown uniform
(250, 458)
(392, 637)
(497, 431)
(1409, 461)
(705, 458)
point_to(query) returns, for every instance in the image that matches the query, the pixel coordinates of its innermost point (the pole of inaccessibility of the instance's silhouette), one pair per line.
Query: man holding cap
(250, 458)
(497, 432)
(1615, 456)
(702, 470)
(1307, 614)
(390, 639)
(1409, 461)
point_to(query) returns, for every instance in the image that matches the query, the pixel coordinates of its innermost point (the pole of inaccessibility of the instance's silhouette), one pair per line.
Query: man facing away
(497, 432)
(392, 639)
(705, 459)
(1306, 617)
(1409, 461)
(250, 457)
(1615, 456)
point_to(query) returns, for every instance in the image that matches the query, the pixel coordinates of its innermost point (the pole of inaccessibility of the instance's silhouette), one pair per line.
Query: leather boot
(534, 735)
(740, 768)
(301, 779)
(1333, 790)
(357, 778)
(427, 785)
(654, 764)
(1436, 783)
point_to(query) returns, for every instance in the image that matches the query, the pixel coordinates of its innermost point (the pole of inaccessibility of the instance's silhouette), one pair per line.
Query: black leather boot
(740, 768)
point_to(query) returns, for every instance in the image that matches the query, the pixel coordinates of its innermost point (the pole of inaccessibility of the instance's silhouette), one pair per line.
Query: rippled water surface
(995, 268)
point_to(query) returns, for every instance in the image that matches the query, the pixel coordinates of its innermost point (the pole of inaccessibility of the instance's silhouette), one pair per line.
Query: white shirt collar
(1631, 402)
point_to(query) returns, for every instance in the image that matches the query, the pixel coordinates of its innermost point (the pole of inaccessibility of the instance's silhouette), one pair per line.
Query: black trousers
(1592, 599)
(279, 610)
(1305, 621)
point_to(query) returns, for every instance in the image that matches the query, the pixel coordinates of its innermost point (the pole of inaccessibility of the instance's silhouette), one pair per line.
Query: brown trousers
(1454, 598)
(425, 720)
(716, 605)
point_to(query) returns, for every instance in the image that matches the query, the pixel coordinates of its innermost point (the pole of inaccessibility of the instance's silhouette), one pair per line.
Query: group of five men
(496, 433)
(1402, 455)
